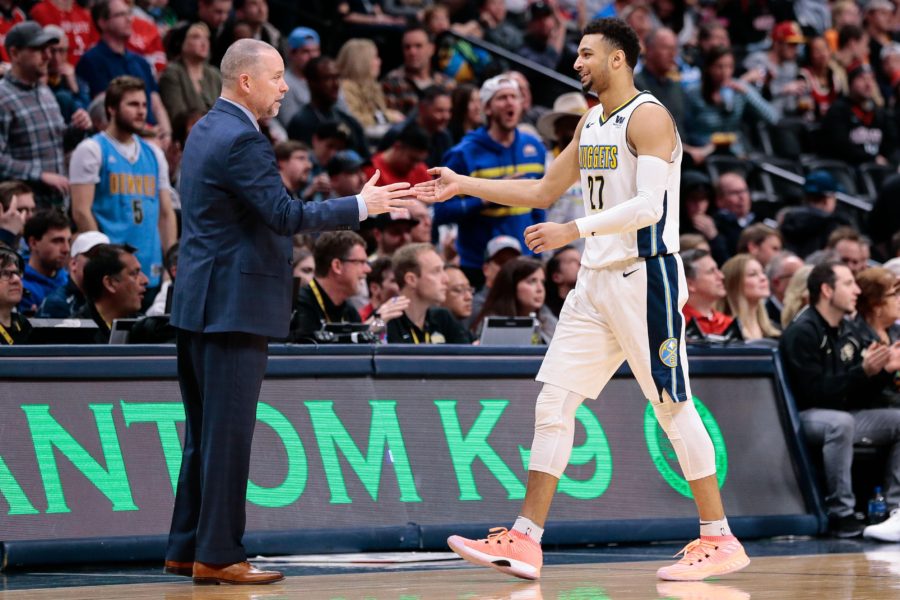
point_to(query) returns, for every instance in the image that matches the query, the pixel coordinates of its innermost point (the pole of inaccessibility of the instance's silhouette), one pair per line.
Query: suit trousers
(220, 375)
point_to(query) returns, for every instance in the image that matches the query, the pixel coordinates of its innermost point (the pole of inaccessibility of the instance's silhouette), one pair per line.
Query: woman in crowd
(359, 65)
(465, 116)
(716, 108)
(878, 312)
(189, 83)
(746, 289)
(562, 273)
(821, 79)
(519, 291)
(796, 296)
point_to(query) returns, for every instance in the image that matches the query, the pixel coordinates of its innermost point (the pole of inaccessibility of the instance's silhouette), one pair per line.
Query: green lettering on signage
(663, 454)
(464, 449)
(297, 470)
(583, 593)
(165, 415)
(14, 494)
(384, 436)
(595, 446)
(47, 433)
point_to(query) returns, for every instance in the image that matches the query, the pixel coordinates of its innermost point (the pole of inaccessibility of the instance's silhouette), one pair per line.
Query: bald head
(662, 50)
(253, 76)
(243, 57)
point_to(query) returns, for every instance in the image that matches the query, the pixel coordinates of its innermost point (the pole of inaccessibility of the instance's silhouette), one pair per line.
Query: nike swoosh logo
(630, 273)
(588, 124)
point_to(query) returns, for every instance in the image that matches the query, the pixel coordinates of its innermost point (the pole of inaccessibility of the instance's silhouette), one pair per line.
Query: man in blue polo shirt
(109, 59)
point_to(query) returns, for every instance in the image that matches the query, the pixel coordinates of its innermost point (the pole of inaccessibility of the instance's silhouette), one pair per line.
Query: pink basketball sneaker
(706, 557)
(509, 552)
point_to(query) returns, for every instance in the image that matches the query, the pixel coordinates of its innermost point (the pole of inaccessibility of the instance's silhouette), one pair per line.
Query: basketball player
(626, 304)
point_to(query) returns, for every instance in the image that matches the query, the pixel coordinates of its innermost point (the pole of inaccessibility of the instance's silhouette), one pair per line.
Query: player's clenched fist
(544, 237)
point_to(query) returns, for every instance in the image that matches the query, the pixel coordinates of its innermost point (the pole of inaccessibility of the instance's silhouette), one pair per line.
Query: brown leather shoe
(173, 567)
(242, 573)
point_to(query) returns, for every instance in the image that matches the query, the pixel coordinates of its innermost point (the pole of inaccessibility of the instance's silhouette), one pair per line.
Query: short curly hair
(619, 35)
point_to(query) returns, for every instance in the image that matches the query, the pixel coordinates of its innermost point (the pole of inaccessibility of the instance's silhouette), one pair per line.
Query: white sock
(528, 527)
(718, 528)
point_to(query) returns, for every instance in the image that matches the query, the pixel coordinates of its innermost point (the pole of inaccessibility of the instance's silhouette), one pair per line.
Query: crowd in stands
(97, 98)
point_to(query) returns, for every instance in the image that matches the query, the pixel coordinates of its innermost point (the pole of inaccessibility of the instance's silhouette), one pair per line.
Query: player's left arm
(651, 132)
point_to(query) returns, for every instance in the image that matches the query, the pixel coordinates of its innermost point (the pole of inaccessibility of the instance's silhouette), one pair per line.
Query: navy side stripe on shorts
(665, 324)
(650, 239)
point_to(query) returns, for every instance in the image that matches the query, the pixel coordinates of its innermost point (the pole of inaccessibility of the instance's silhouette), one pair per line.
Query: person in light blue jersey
(120, 183)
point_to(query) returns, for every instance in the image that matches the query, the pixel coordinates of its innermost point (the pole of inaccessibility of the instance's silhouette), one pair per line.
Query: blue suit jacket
(234, 263)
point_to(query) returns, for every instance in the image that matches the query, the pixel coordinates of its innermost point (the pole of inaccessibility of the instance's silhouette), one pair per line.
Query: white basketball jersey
(609, 177)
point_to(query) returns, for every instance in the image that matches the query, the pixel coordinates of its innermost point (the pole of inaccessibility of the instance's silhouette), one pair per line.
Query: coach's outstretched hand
(444, 187)
(385, 198)
(544, 237)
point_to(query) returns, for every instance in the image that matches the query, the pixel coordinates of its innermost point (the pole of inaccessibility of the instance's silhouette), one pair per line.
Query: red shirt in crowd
(716, 323)
(7, 20)
(418, 174)
(146, 41)
(76, 22)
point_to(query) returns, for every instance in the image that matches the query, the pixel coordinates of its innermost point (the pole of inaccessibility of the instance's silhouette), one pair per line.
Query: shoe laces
(497, 535)
(696, 551)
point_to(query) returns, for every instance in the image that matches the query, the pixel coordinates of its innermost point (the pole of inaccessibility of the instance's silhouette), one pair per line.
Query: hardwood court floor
(872, 575)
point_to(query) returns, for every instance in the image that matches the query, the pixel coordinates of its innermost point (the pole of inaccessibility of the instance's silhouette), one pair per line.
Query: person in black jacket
(836, 384)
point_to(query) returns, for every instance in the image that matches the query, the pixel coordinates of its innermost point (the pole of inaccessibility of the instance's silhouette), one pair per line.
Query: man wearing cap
(403, 87)
(303, 46)
(806, 228)
(322, 76)
(70, 92)
(855, 129)
(544, 35)
(31, 125)
(497, 253)
(392, 231)
(498, 150)
(782, 82)
(345, 172)
(69, 300)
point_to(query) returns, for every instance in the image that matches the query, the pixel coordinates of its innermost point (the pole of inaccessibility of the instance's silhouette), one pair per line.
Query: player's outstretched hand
(443, 187)
(385, 198)
(544, 237)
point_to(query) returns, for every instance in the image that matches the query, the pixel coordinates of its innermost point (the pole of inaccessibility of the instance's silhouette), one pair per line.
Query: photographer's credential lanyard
(318, 295)
(416, 338)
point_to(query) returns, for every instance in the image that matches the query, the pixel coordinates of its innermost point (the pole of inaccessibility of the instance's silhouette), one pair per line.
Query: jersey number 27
(595, 182)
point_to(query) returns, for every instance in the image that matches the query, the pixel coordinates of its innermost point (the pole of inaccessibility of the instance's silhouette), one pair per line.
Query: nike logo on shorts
(630, 273)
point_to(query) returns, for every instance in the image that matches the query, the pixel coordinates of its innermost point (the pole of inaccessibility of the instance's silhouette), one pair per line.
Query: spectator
(359, 65)
(255, 14)
(345, 172)
(719, 104)
(215, 14)
(295, 167)
(733, 206)
(162, 303)
(341, 265)
(706, 289)
(158, 12)
(878, 17)
(562, 274)
(545, 35)
(806, 228)
(354, 12)
(781, 81)
(304, 265)
(843, 12)
(404, 86)
(392, 232)
(382, 286)
(855, 129)
(852, 49)
(761, 242)
(16, 207)
(48, 235)
(822, 80)
(189, 84)
(496, 151)
(847, 243)
(404, 160)
(465, 115)
(836, 386)
(14, 328)
(890, 63)
(496, 28)
(457, 58)
(31, 126)
(421, 232)
(497, 253)
(73, 19)
(878, 316)
(120, 183)
(711, 34)
(432, 116)
(110, 59)
(146, 39)
(693, 241)
(419, 270)
(531, 113)
(114, 286)
(884, 220)
(71, 93)
(696, 198)
(324, 88)
(796, 296)
(68, 300)
(780, 270)
(518, 291)
(328, 139)
(641, 18)
(746, 292)
(10, 15)
(303, 46)
(459, 294)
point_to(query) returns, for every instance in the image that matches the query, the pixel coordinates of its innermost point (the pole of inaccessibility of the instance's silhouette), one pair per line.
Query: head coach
(233, 292)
